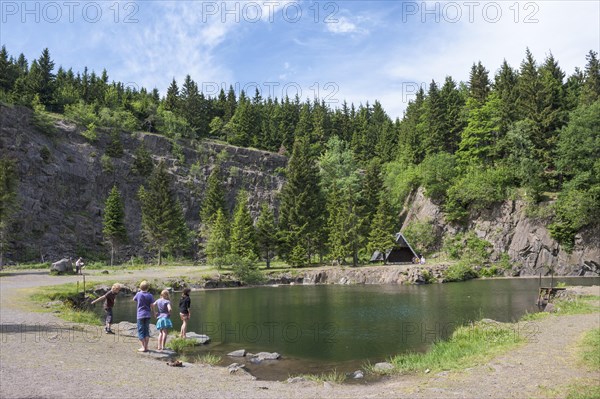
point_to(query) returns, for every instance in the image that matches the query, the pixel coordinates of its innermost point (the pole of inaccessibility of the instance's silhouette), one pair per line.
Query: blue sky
(354, 50)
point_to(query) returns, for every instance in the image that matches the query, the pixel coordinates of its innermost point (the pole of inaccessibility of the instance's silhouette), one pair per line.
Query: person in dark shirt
(184, 311)
(109, 302)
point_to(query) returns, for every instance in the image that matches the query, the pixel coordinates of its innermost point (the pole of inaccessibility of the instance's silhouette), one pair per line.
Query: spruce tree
(243, 234)
(217, 243)
(479, 83)
(161, 212)
(266, 233)
(214, 198)
(590, 92)
(8, 201)
(381, 237)
(302, 202)
(172, 100)
(114, 221)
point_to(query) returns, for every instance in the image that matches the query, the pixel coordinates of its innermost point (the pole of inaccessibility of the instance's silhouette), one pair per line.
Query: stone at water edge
(383, 366)
(200, 338)
(357, 375)
(237, 353)
(266, 356)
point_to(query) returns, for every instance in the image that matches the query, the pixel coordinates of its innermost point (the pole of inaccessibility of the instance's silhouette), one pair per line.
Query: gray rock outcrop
(527, 241)
(64, 182)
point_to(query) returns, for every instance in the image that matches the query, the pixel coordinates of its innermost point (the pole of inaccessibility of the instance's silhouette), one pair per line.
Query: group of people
(419, 259)
(146, 306)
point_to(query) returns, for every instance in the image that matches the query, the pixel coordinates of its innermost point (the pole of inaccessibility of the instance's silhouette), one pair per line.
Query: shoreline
(41, 368)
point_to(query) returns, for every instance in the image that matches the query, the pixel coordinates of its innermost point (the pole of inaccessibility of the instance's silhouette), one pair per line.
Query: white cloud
(343, 25)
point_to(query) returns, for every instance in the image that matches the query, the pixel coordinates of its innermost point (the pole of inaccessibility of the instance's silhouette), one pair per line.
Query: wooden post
(83, 284)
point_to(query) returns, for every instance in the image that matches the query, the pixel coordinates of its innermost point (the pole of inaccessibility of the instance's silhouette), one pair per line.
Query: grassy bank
(589, 357)
(60, 299)
(479, 342)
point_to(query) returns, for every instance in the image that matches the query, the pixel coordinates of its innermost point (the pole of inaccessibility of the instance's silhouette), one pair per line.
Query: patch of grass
(64, 293)
(209, 359)
(584, 391)
(26, 266)
(590, 349)
(332, 376)
(468, 346)
(179, 344)
(579, 305)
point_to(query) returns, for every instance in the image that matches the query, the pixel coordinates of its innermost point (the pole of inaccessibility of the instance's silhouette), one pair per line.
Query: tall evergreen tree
(381, 237)
(172, 99)
(479, 83)
(8, 202)
(161, 212)
(243, 234)
(214, 197)
(505, 85)
(142, 163)
(590, 92)
(302, 202)
(266, 233)
(114, 221)
(217, 243)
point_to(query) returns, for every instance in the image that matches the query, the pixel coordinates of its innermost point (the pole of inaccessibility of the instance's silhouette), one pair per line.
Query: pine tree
(217, 243)
(266, 233)
(381, 237)
(115, 146)
(45, 85)
(505, 85)
(161, 212)
(479, 138)
(214, 198)
(432, 123)
(302, 202)
(243, 235)
(411, 149)
(172, 98)
(114, 221)
(479, 83)
(8, 201)
(590, 92)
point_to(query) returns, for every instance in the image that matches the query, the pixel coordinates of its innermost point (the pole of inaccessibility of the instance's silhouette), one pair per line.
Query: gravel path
(42, 356)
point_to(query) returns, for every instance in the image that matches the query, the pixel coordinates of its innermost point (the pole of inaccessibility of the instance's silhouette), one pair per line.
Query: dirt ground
(42, 356)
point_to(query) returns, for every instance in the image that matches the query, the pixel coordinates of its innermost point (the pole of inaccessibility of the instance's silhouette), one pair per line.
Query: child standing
(109, 302)
(184, 311)
(144, 301)
(162, 311)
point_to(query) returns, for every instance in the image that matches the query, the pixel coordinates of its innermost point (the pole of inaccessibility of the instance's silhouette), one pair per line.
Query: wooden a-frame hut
(402, 252)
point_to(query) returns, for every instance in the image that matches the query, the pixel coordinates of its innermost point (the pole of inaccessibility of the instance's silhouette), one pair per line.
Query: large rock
(200, 338)
(260, 356)
(64, 265)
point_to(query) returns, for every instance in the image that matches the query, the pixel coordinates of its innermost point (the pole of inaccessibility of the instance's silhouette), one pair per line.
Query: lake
(324, 327)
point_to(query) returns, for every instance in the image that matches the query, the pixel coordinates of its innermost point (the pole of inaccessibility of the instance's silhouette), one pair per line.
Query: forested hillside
(529, 132)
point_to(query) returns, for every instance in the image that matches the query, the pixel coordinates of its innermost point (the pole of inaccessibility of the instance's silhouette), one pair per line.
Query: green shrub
(82, 114)
(460, 271)
(478, 189)
(421, 235)
(90, 133)
(107, 164)
(438, 172)
(401, 181)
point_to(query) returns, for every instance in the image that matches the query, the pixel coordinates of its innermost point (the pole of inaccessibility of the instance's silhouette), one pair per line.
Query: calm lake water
(320, 328)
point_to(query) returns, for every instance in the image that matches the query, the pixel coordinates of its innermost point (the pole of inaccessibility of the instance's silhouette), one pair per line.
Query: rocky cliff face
(527, 241)
(63, 184)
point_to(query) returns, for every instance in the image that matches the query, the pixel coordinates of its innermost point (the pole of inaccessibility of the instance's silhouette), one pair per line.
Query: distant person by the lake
(184, 311)
(79, 265)
(144, 301)
(109, 302)
(422, 261)
(162, 311)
